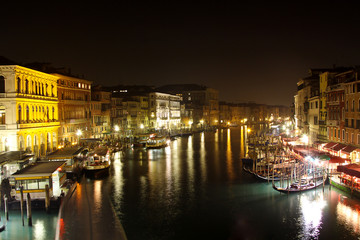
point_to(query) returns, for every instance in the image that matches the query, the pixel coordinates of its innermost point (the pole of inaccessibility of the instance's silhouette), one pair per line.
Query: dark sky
(249, 51)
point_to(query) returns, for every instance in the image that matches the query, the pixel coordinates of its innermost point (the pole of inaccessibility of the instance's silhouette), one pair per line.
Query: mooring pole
(28, 203)
(22, 204)
(6, 208)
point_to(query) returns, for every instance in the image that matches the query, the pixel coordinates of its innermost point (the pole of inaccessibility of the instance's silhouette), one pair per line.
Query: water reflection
(196, 189)
(311, 205)
(118, 180)
(229, 163)
(348, 213)
(203, 171)
(39, 230)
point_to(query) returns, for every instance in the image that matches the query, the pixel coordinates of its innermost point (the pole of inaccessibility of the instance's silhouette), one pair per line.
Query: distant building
(203, 102)
(74, 109)
(164, 110)
(100, 112)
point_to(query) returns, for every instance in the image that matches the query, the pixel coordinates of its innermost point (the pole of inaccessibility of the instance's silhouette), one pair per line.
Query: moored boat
(156, 142)
(97, 163)
(302, 185)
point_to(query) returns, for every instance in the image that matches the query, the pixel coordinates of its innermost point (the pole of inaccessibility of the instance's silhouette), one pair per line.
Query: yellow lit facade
(29, 110)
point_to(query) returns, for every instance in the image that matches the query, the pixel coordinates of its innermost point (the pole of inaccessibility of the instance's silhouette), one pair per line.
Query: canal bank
(87, 213)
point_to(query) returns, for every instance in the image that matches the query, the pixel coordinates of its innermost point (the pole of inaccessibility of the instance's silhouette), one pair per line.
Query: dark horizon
(248, 51)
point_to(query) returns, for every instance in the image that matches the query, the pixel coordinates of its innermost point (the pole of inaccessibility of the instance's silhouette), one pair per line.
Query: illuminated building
(74, 109)
(164, 110)
(100, 112)
(203, 102)
(352, 107)
(29, 110)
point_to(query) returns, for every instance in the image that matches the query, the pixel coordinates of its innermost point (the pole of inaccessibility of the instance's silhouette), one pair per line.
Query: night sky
(249, 51)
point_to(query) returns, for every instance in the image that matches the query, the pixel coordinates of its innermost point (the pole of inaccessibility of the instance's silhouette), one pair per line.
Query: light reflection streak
(203, 157)
(311, 210)
(97, 194)
(348, 216)
(190, 165)
(168, 170)
(229, 164)
(242, 141)
(39, 230)
(117, 178)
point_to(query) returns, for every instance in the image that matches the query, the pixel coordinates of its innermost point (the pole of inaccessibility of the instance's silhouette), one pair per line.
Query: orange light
(59, 169)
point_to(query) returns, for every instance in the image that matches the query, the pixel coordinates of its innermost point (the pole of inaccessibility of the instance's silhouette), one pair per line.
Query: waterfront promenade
(87, 213)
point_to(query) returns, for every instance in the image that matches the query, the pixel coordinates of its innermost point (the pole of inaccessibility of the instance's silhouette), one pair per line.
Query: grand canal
(196, 189)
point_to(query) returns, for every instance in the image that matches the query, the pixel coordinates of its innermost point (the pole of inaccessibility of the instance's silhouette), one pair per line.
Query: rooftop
(40, 168)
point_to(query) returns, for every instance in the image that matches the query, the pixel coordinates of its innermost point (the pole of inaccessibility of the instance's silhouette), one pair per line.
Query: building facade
(29, 110)
(74, 109)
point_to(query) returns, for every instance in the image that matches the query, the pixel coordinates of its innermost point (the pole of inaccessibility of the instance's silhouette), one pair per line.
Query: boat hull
(96, 171)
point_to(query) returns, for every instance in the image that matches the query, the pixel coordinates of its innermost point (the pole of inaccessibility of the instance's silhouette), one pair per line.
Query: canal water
(196, 189)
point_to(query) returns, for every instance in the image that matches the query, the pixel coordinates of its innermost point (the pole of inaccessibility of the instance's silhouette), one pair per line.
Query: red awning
(338, 147)
(350, 169)
(336, 159)
(348, 149)
(329, 145)
(342, 168)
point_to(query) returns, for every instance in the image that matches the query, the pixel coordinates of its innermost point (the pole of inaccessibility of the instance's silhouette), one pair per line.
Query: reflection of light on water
(190, 164)
(97, 194)
(311, 214)
(348, 216)
(168, 166)
(39, 230)
(203, 157)
(118, 180)
(229, 156)
(242, 140)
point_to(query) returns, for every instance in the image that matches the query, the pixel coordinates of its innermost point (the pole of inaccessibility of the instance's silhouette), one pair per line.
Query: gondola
(303, 185)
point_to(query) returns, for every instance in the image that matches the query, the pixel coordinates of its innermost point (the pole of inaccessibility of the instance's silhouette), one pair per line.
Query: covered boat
(156, 142)
(98, 162)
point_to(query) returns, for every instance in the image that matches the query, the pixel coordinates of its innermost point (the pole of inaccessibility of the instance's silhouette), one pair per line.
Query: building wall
(74, 109)
(30, 106)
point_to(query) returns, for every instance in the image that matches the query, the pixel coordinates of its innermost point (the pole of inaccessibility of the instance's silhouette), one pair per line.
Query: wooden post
(22, 203)
(47, 198)
(28, 203)
(6, 208)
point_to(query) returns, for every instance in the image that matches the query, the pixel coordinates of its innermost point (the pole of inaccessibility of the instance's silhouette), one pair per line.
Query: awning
(329, 145)
(351, 169)
(338, 147)
(348, 149)
(336, 159)
(341, 168)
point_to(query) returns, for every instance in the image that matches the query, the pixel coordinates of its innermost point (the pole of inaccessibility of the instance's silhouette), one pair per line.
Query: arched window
(18, 85)
(19, 114)
(27, 86)
(46, 90)
(53, 113)
(27, 114)
(2, 84)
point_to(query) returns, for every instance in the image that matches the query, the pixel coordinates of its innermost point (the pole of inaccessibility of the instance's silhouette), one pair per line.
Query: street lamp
(78, 134)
